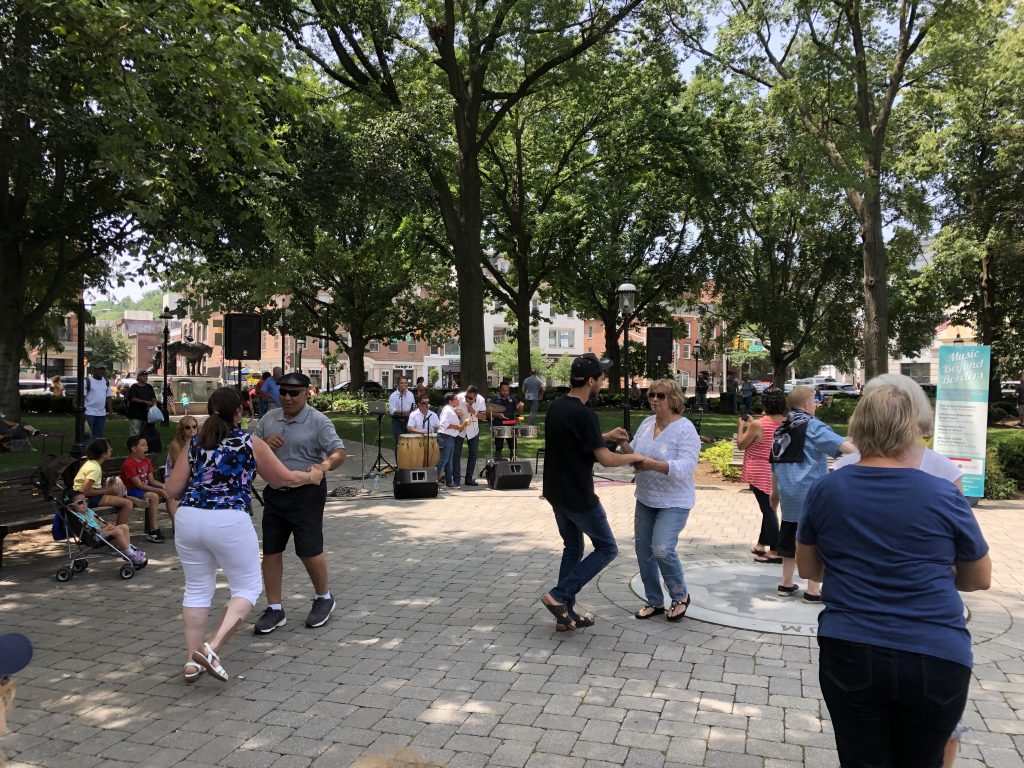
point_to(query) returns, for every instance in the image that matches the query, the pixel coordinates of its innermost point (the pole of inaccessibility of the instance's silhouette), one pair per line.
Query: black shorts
(787, 539)
(295, 511)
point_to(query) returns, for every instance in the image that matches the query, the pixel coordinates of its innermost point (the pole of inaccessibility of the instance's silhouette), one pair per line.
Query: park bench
(23, 505)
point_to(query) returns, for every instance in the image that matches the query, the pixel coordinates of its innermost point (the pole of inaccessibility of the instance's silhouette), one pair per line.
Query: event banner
(961, 411)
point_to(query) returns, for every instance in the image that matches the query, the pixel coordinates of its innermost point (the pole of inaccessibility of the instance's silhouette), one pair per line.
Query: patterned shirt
(222, 478)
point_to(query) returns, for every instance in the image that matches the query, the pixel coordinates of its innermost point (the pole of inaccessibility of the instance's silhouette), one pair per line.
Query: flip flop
(757, 552)
(676, 604)
(768, 560)
(657, 610)
(560, 612)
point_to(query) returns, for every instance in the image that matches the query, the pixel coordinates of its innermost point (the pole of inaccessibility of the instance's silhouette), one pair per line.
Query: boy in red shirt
(137, 473)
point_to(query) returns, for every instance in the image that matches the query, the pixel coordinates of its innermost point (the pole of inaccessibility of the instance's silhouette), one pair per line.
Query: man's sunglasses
(292, 392)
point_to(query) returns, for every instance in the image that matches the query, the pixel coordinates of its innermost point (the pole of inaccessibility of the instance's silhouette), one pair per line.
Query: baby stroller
(79, 526)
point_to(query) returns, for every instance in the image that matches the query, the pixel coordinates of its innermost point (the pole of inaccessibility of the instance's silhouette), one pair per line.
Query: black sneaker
(321, 611)
(808, 598)
(155, 536)
(271, 619)
(787, 591)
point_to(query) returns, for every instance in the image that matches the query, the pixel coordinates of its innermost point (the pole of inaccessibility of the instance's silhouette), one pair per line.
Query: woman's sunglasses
(656, 395)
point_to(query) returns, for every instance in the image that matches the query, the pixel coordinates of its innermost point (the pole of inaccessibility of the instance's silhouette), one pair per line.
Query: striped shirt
(756, 469)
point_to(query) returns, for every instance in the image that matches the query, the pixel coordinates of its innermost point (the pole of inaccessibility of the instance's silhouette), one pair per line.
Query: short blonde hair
(884, 424)
(673, 394)
(923, 415)
(800, 396)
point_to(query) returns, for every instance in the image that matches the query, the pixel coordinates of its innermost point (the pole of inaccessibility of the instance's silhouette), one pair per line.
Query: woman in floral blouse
(213, 527)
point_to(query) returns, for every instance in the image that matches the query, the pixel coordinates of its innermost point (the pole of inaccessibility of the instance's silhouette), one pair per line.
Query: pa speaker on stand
(241, 337)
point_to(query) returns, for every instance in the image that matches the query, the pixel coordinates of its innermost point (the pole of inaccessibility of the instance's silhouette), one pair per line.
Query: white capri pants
(208, 538)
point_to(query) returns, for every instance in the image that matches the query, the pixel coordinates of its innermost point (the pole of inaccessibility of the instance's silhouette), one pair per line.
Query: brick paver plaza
(439, 643)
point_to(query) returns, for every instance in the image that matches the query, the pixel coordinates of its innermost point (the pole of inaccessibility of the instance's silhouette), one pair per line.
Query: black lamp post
(626, 297)
(696, 374)
(166, 317)
(78, 449)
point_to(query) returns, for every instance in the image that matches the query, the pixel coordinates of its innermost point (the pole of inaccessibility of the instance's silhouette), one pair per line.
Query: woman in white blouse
(664, 497)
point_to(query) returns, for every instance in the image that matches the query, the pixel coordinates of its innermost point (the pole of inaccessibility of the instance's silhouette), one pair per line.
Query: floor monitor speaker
(416, 483)
(510, 475)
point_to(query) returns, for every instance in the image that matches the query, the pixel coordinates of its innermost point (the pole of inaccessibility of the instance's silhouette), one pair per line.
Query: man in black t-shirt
(141, 397)
(572, 443)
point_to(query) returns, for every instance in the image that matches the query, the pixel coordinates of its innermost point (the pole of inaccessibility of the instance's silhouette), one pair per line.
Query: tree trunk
(876, 293)
(356, 364)
(523, 341)
(468, 254)
(12, 327)
(988, 319)
(612, 350)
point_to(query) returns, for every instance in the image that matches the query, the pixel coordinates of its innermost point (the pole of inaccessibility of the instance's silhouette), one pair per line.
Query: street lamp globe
(626, 296)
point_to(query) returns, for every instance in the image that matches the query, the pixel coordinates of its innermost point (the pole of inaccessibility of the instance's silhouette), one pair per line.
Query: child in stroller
(96, 528)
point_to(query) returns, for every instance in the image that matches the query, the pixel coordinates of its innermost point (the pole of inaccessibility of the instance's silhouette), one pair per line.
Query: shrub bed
(719, 455)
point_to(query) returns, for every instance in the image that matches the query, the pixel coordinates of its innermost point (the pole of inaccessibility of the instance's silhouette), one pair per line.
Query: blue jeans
(262, 406)
(96, 425)
(446, 445)
(575, 570)
(474, 443)
(889, 708)
(533, 411)
(456, 462)
(656, 532)
(748, 403)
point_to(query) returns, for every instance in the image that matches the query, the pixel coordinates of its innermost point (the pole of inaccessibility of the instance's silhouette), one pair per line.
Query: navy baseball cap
(15, 653)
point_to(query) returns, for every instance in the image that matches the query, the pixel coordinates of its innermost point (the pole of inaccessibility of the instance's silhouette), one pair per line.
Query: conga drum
(410, 450)
(431, 450)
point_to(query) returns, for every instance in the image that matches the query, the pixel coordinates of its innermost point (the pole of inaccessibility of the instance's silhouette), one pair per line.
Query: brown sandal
(563, 620)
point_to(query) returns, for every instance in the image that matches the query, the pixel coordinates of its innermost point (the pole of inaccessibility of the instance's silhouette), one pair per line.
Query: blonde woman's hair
(404, 758)
(799, 397)
(673, 394)
(923, 415)
(884, 424)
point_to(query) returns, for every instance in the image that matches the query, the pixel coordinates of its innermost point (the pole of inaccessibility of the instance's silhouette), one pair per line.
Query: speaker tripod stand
(381, 466)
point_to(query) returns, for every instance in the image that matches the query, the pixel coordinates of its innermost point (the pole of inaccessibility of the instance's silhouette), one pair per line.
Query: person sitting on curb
(139, 478)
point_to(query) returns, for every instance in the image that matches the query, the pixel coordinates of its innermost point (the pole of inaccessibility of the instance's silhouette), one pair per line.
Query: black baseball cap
(587, 366)
(294, 379)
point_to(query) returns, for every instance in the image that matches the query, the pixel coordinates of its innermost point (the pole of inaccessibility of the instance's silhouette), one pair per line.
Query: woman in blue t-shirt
(897, 544)
(213, 526)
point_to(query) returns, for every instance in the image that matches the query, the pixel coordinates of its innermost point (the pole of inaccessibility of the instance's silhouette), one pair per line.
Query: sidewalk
(439, 642)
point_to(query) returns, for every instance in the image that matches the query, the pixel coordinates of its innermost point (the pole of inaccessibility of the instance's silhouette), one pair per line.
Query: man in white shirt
(472, 405)
(448, 430)
(423, 421)
(400, 405)
(98, 401)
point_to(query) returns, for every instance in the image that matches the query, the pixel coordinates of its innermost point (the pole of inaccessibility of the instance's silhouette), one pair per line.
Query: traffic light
(736, 342)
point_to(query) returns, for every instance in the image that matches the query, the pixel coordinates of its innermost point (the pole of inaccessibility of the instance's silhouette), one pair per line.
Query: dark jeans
(748, 403)
(576, 571)
(397, 429)
(96, 425)
(769, 536)
(889, 708)
(474, 443)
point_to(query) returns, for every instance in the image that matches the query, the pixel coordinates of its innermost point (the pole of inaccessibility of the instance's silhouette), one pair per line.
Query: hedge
(719, 455)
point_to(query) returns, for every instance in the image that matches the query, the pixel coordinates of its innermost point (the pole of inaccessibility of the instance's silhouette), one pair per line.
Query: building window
(412, 347)
(435, 349)
(499, 335)
(590, 331)
(393, 347)
(373, 346)
(218, 339)
(561, 339)
(684, 380)
(919, 372)
(453, 348)
(686, 351)
(686, 330)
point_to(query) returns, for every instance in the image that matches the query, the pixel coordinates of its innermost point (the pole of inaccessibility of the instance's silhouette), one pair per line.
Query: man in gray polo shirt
(302, 438)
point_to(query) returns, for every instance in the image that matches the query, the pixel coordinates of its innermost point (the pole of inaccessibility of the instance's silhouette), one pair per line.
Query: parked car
(33, 386)
(368, 386)
(841, 390)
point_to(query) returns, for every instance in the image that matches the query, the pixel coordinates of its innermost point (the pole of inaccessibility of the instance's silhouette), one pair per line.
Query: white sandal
(210, 661)
(193, 671)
